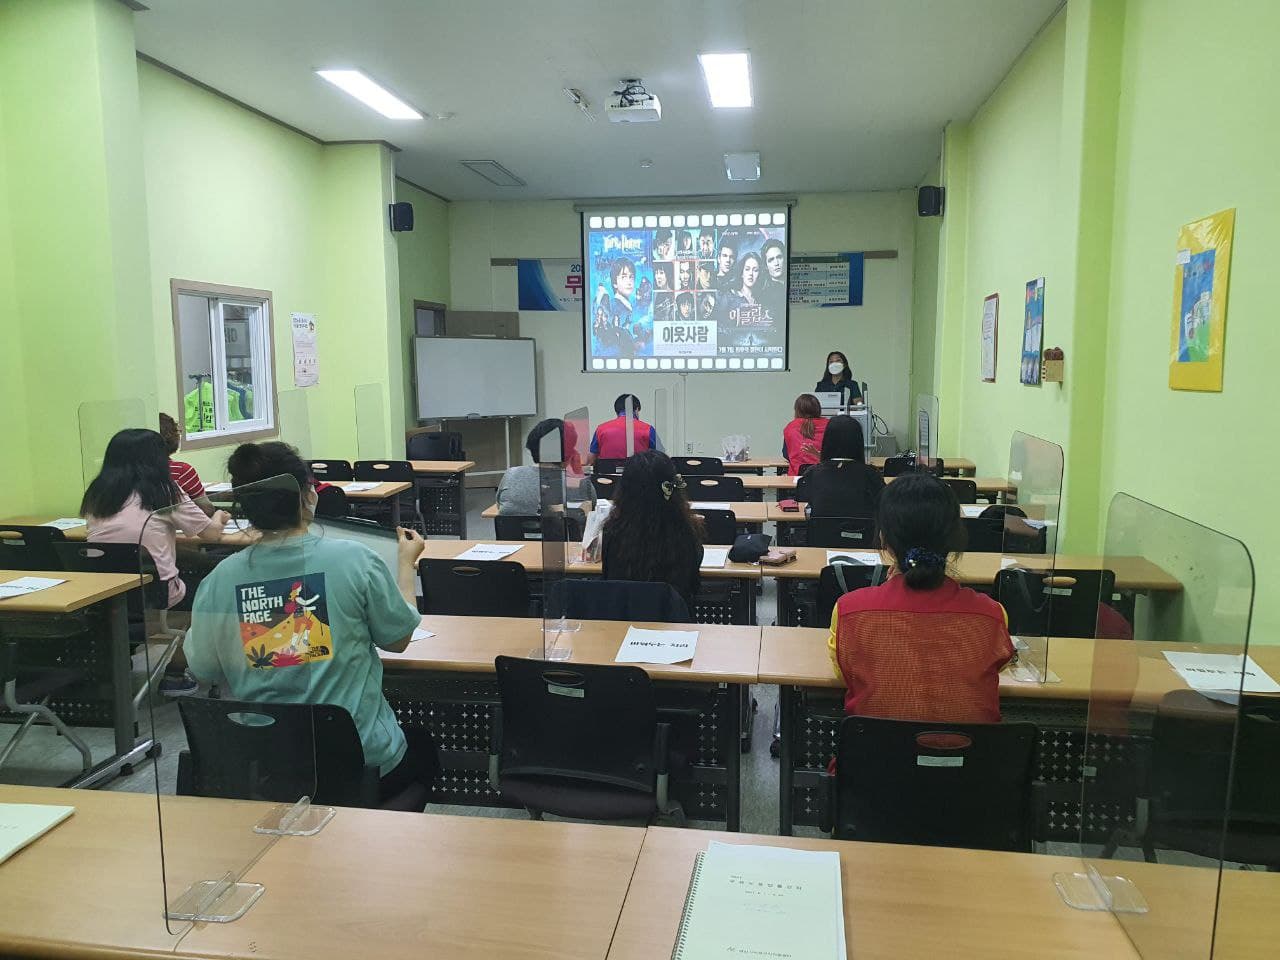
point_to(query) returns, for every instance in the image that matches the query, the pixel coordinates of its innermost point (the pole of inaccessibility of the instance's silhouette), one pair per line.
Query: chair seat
(36, 683)
(581, 799)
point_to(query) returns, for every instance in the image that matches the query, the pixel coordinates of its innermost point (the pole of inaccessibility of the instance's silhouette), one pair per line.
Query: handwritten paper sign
(657, 646)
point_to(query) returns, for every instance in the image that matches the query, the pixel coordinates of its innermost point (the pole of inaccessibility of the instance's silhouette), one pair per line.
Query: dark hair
(135, 461)
(682, 298)
(534, 442)
(665, 270)
(764, 251)
(807, 408)
(618, 265)
(844, 441)
(620, 405)
(727, 243)
(655, 527)
(169, 433)
(270, 506)
(826, 374)
(741, 264)
(919, 524)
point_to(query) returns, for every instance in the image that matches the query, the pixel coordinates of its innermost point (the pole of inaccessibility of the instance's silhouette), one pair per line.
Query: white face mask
(835, 368)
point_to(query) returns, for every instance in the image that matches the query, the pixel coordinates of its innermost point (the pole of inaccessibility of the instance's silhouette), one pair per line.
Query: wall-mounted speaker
(401, 215)
(929, 201)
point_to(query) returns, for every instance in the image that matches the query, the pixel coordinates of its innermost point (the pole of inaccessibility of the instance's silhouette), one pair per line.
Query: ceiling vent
(494, 172)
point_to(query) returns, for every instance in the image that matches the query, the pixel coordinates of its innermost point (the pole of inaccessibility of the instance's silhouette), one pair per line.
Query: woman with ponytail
(802, 437)
(920, 646)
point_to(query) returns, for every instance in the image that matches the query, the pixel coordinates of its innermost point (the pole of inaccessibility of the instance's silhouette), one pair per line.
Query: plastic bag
(735, 448)
(592, 531)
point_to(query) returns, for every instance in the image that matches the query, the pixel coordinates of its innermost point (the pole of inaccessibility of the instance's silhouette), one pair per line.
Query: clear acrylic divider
(661, 418)
(631, 414)
(295, 421)
(566, 508)
(1038, 602)
(372, 442)
(1164, 676)
(926, 430)
(247, 772)
(100, 420)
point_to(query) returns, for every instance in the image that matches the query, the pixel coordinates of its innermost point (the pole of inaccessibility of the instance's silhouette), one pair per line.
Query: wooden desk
(448, 679)
(71, 602)
(440, 486)
(757, 465)
(748, 513)
(38, 520)
(953, 465)
(900, 902)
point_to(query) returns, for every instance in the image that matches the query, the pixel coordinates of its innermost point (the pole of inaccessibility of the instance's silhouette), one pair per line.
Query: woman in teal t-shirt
(298, 618)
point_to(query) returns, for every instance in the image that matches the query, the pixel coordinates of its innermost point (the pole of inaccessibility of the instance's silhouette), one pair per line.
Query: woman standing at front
(838, 378)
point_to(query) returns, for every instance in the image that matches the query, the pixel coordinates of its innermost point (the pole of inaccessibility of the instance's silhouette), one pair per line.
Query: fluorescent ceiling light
(500, 176)
(370, 94)
(728, 77)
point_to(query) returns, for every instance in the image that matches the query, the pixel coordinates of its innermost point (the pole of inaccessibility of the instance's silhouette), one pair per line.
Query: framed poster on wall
(1032, 332)
(990, 333)
(1201, 271)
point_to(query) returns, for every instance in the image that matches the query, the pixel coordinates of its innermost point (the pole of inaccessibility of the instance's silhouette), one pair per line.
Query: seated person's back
(920, 646)
(802, 437)
(842, 484)
(520, 490)
(609, 442)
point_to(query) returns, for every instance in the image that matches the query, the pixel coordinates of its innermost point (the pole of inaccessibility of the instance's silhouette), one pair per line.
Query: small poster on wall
(1200, 276)
(306, 360)
(990, 323)
(1033, 332)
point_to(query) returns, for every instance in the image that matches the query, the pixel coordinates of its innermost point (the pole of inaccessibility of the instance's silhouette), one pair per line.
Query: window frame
(235, 296)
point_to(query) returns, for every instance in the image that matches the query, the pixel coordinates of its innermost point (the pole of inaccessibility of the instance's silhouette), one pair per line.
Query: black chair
(837, 579)
(389, 471)
(936, 784)
(715, 489)
(606, 486)
(27, 692)
(332, 502)
(557, 528)
(896, 466)
(280, 752)
(441, 445)
(721, 526)
(28, 547)
(999, 529)
(627, 600)
(581, 741)
(699, 466)
(842, 533)
(966, 491)
(983, 534)
(1064, 604)
(330, 470)
(474, 588)
(607, 467)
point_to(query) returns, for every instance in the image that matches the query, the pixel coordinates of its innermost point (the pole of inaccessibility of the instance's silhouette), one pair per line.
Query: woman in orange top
(802, 437)
(920, 646)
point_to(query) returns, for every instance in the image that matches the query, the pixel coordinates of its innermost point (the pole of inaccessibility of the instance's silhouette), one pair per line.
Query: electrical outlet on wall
(688, 448)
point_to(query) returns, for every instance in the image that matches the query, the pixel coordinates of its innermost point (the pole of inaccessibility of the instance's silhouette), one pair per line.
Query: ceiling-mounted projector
(634, 105)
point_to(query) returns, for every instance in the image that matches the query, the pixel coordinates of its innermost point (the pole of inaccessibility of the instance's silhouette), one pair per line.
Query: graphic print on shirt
(284, 623)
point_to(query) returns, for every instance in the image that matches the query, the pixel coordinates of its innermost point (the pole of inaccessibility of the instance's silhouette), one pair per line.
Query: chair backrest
(843, 533)
(592, 722)
(936, 784)
(441, 445)
(332, 502)
(330, 470)
(1062, 605)
(28, 547)
(384, 471)
(606, 485)
(998, 530)
(983, 534)
(966, 491)
(608, 466)
(896, 466)
(272, 751)
(720, 526)
(839, 578)
(524, 527)
(99, 557)
(715, 489)
(474, 588)
(628, 600)
(699, 466)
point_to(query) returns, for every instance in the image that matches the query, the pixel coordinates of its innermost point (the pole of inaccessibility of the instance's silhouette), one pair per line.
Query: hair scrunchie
(919, 557)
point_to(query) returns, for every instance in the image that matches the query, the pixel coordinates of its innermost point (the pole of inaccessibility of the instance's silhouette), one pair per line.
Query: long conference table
(378, 884)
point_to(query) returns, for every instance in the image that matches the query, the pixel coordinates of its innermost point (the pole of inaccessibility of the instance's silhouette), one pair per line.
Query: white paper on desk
(488, 551)
(217, 488)
(25, 585)
(1221, 671)
(419, 633)
(237, 526)
(1036, 524)
(714, 558)
(657, 646)
(711, 505)
(359, 486)
(868, 558)
(65, 523)
(1007, 562)
(972, 509)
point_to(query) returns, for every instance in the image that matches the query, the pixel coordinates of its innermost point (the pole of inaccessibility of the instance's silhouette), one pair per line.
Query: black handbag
(749, 547)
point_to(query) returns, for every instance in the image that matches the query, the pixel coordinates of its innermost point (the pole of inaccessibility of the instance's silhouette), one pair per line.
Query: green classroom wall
(424, 269)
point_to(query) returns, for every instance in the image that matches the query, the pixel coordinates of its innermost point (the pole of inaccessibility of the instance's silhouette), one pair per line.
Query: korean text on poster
(306, 359)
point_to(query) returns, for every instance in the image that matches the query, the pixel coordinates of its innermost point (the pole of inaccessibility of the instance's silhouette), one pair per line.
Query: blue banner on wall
(549, 284)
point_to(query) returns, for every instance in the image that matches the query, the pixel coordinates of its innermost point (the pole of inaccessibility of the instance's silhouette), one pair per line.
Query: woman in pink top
(133, 499)
(802, 437)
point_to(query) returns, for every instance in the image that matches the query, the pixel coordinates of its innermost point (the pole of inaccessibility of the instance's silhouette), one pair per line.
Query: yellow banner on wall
(1200, 279)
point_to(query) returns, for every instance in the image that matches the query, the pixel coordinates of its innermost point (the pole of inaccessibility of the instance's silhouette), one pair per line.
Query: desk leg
(395, 510)
(733, 760)
(786, 778)
(460, 505)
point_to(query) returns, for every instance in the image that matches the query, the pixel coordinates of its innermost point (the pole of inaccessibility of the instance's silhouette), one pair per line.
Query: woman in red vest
(802, 437)
(920, 646)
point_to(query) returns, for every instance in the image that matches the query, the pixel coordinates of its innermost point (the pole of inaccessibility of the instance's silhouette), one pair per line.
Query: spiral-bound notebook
(758, 901)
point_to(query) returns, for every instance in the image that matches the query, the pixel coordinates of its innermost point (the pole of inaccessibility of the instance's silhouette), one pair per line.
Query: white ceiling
(849, 94)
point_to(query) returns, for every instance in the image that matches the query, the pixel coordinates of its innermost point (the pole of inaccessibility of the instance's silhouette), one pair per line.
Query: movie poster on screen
(1202, 268)
(990, 329)
(686, 287)
(306, 359)
(1033, 332)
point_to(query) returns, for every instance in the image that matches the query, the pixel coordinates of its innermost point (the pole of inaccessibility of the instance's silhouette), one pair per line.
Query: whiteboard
(459, 377)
